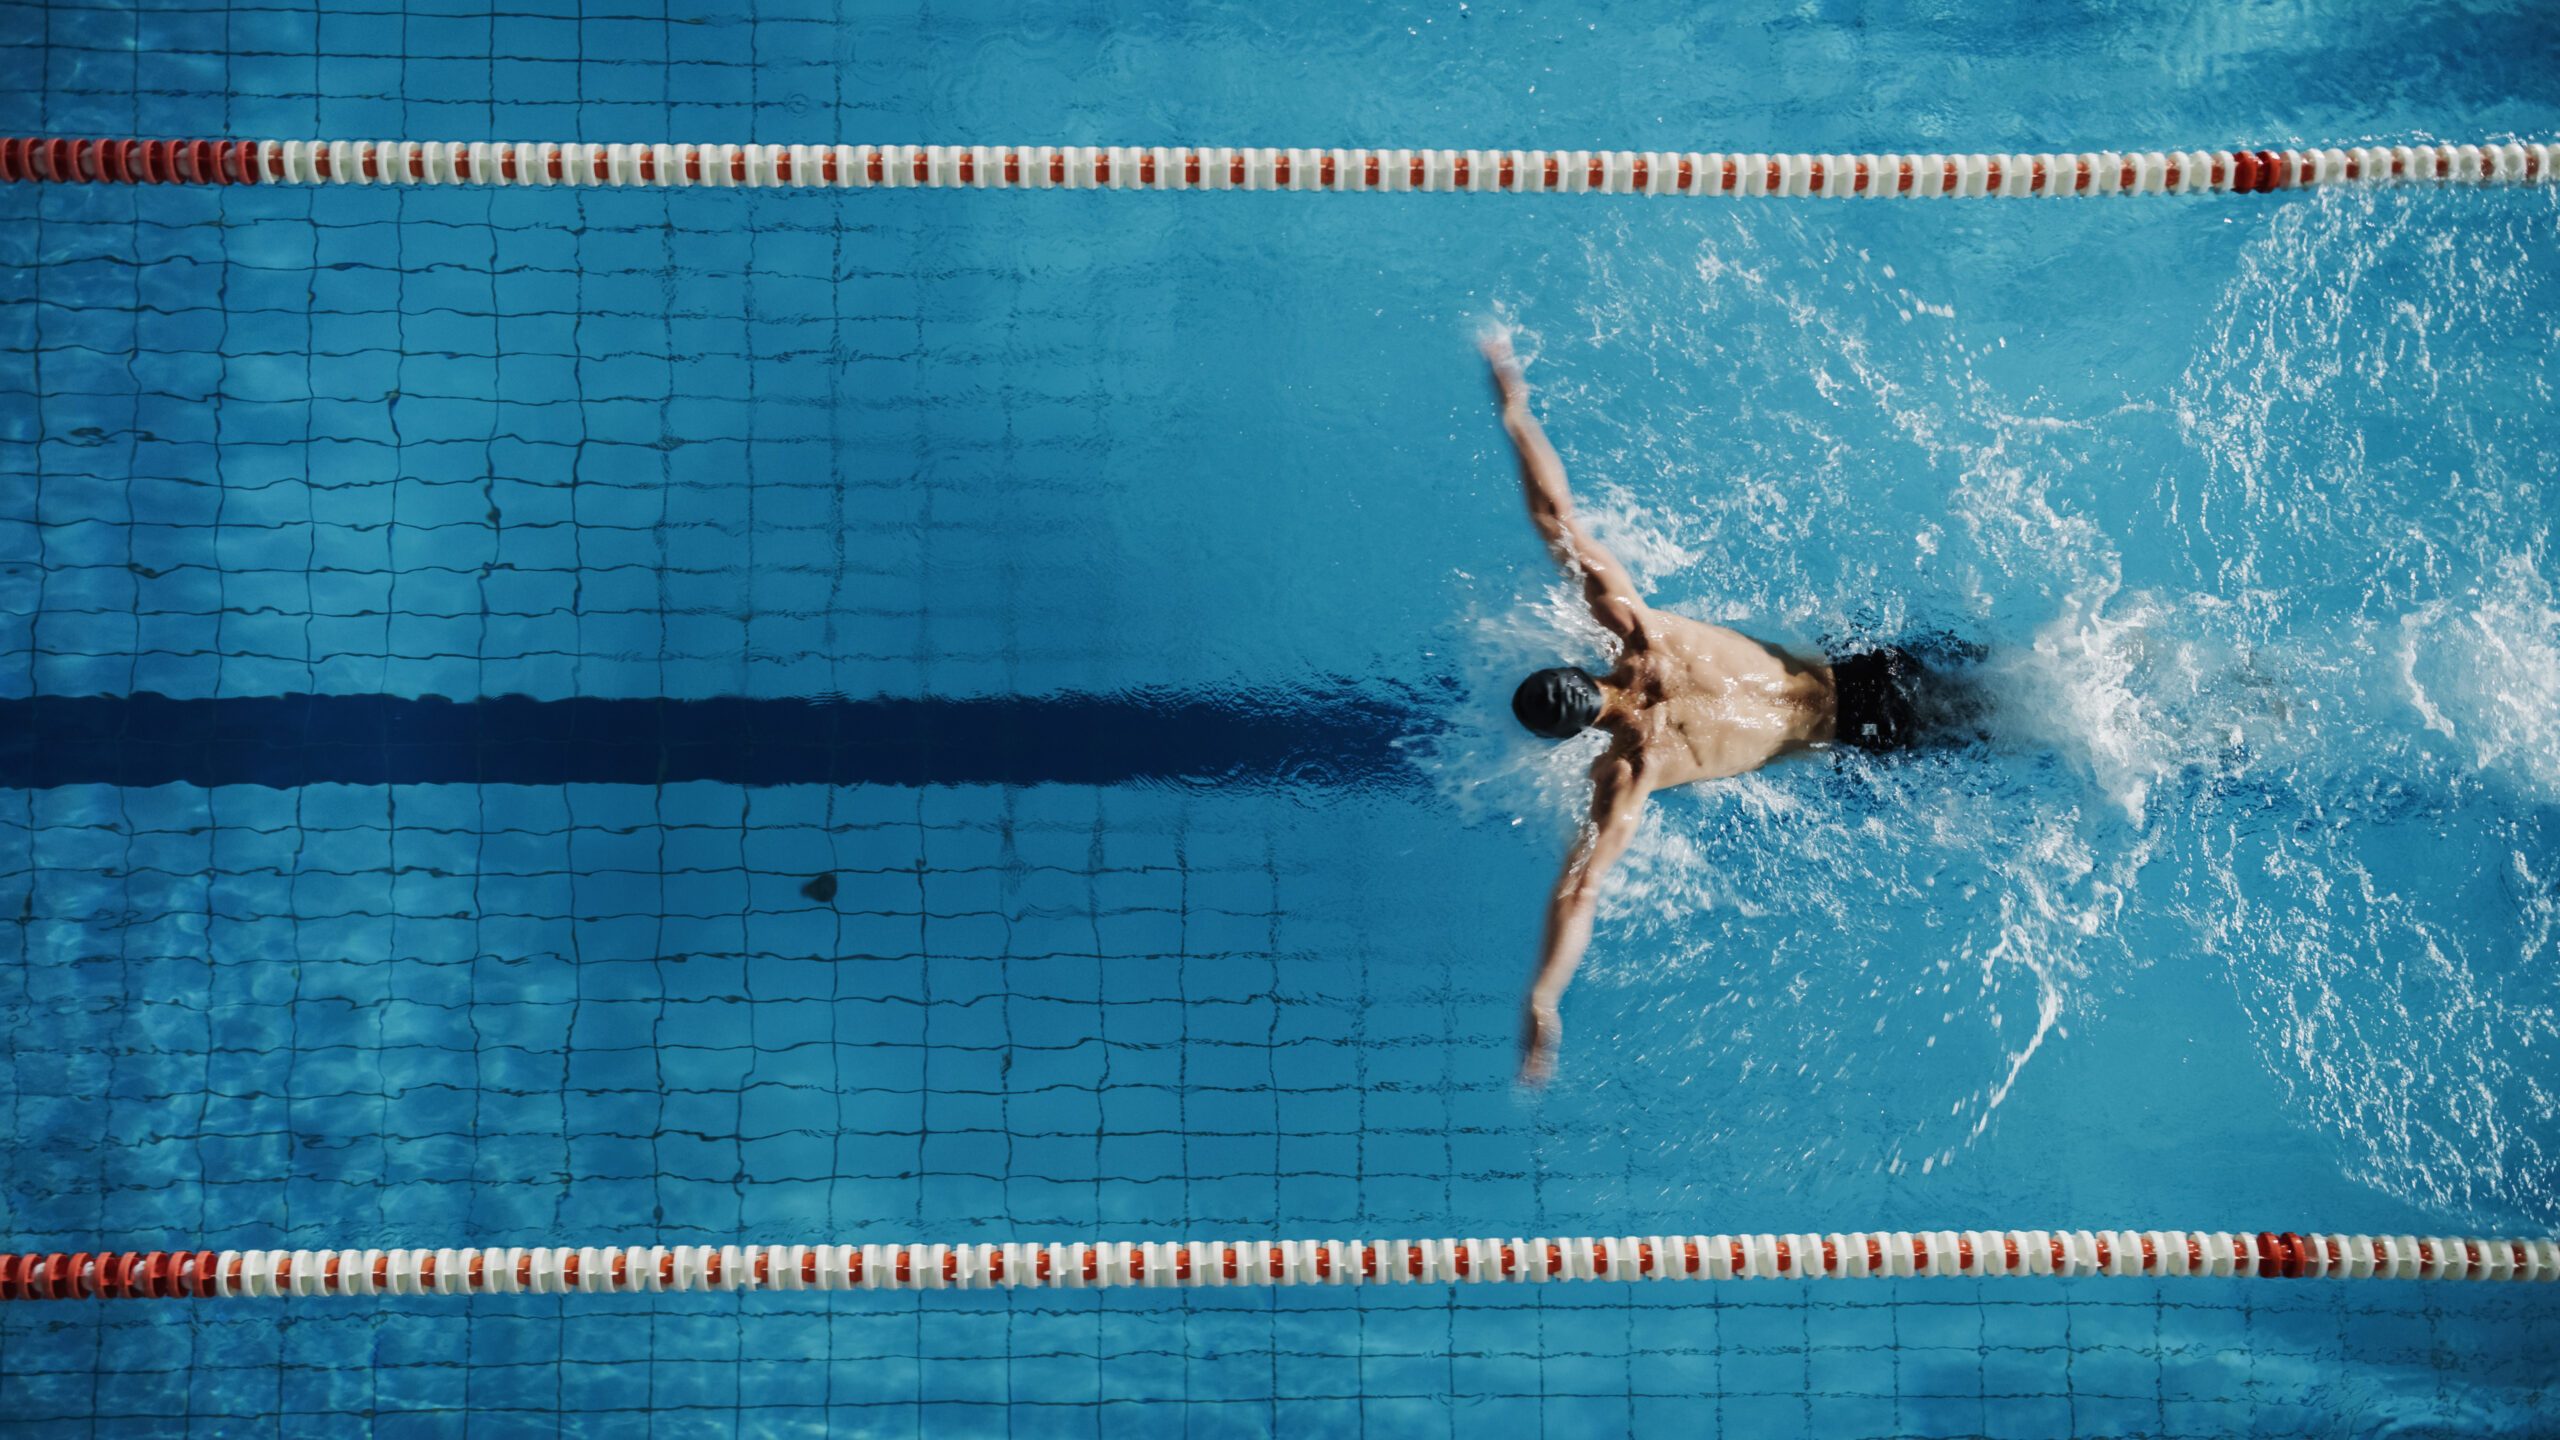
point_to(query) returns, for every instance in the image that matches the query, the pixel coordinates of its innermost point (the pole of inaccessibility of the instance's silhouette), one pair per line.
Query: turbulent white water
(2369, 418)
(2333, 606)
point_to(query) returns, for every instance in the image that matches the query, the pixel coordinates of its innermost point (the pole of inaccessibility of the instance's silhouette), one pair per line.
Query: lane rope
(1165, 167)
(1633, 1259)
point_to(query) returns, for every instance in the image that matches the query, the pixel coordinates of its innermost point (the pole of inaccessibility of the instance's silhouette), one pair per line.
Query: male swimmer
(1686, 701)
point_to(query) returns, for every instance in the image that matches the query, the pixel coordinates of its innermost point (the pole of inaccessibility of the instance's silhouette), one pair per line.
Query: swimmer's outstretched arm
(1617, 800)
(1606, 586)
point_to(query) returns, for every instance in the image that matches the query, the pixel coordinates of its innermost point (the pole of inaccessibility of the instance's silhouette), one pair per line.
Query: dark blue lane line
(1258, 737)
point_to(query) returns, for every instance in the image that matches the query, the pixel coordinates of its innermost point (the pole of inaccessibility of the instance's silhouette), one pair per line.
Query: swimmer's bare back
(1708, 703)
(1686, 701)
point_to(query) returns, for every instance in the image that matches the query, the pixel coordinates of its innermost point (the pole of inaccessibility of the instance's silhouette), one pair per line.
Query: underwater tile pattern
(602, 447)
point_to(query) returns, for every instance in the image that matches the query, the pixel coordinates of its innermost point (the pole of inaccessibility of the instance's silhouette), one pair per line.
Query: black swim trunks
(1879, 698)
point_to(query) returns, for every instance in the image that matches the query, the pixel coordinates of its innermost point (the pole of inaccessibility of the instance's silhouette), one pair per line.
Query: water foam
(2393, 947)
(2483, 671)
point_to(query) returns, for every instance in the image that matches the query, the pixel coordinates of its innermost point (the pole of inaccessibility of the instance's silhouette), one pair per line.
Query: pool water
(1088, 807)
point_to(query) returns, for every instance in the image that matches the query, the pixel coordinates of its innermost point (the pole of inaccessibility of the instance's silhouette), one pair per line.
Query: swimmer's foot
(1541, 1030)
(1495, 342)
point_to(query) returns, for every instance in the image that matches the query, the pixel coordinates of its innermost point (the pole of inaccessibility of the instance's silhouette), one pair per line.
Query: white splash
(2394, 948)
(2483, 670)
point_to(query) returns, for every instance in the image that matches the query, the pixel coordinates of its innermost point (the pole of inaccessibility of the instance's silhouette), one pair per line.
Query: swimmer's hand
(1540, 1031)
(1495, 342)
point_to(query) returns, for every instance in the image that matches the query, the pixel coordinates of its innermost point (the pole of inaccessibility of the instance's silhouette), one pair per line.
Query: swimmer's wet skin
(1686, 701)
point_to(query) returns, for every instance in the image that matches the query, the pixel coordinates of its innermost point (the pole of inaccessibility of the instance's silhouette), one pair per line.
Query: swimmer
(1686, 701)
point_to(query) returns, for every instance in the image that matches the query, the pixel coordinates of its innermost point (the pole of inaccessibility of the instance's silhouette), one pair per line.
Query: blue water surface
(2247, 919)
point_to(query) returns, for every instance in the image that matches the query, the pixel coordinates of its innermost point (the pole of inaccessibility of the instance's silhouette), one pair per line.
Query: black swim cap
(1559, 703)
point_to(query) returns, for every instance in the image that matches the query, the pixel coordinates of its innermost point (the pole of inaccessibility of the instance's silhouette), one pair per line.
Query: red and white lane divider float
(1176, 167)
(1871, 1254)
